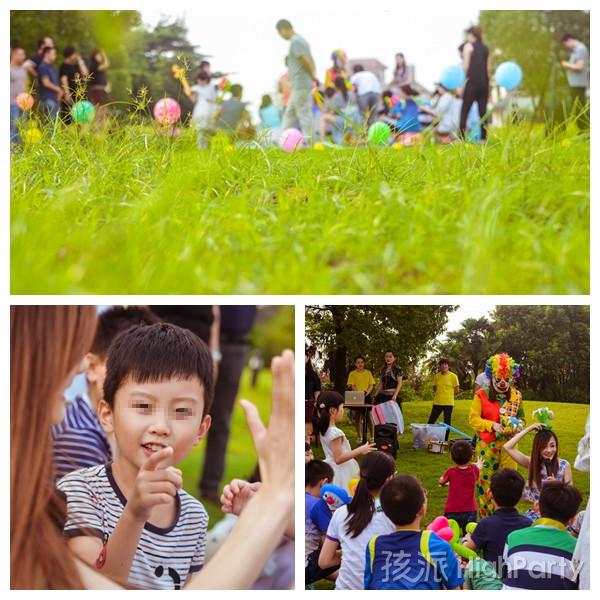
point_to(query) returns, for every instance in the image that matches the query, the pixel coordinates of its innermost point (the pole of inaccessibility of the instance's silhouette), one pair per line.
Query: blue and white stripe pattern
(164, 556)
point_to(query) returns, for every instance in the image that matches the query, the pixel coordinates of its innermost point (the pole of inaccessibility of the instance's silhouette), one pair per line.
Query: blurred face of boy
(150, 416)
(444, 368)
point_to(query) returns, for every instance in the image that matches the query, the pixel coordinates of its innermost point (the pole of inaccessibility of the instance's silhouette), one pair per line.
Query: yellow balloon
(32, 135)
(319, 146)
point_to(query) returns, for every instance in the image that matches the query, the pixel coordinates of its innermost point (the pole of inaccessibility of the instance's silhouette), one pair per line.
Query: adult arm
(515, 454)
(47, 83)
(467, 53)
(214, 338)
(578, 65)
(398, 387)
(30, 67)
(477, 422)
(568, 475)
(260, 527)
(64, 82)
(308, 64)
(341, 457)
(82, 67)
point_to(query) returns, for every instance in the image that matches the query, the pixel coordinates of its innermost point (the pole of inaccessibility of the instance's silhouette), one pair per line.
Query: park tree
(342, 332)
(552, 345)
(532, 39)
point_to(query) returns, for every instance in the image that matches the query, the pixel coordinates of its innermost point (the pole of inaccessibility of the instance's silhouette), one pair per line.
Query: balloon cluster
(544, 415)
(449, 530)
(167, 111)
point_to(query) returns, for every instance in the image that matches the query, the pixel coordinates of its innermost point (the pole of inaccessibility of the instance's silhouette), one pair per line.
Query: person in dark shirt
(72, 75)
(477, 66)
(506, 489)
(49, 85)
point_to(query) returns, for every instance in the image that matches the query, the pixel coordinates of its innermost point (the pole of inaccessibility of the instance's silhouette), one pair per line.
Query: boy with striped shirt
(131, 518)
(539, 557)
(79, 441)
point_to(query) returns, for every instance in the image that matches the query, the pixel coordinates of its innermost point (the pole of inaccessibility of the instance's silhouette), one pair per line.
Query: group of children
(375, 541)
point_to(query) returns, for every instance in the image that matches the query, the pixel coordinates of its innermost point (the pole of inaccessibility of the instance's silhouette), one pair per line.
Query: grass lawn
(241, 457)
(132, 212)
(569, 426)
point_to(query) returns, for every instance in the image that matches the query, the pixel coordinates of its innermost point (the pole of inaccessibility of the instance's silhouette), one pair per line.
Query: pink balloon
(167, 111)
(291, 139)
(445, 533)
(438, 523)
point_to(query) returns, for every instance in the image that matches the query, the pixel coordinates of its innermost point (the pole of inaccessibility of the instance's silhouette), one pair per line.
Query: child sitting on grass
(409, 559)
(79, 441)
(131, 519)
(354, 524)
(329, 410)
(317, 517)
(506, 488)
(539, 557)
(461, 480)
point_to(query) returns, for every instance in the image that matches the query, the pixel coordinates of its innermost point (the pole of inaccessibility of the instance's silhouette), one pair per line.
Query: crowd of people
(103, 490)
(377, 521)
(337, 109)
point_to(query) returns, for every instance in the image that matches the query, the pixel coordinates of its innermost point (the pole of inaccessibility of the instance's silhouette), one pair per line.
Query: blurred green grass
(240, 458)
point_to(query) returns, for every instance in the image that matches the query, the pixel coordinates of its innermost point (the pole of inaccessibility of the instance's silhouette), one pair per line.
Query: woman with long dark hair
(354, 525)
(404, 74)
(312, 389)
(390, 380)
(544, 463)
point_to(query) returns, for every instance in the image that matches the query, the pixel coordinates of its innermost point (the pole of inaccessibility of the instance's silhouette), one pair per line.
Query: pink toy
(441, 526)
(291, 139)
(167, 111)
(24, 101)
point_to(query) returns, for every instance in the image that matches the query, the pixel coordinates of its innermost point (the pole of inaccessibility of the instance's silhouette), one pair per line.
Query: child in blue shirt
(409, 559)
(316, 519)
(406, 112)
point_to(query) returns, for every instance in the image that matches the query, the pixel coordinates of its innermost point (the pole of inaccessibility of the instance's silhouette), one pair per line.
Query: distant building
(369, 64)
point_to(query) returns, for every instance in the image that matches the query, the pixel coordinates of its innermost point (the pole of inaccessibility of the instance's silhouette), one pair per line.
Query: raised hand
(236, 495)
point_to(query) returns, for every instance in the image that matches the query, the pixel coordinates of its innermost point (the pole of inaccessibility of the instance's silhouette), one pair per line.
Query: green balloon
(463, 551)
(83, 112)
(455, 529)
(470, 528)
(379, 133)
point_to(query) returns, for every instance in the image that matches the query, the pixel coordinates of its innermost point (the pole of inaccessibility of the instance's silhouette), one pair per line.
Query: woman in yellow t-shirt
(361, 380)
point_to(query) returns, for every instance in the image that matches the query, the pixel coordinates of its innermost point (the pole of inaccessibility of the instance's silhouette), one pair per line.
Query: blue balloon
(452, 77)
(509, 75)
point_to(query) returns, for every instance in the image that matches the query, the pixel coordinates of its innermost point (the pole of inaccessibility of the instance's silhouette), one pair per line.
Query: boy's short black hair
(401, 499)
(155, 353)
(461, 452)
(46, 50)
(315, 471)
(507, 486)
(236, 90)
(358, 68)
(443, 361)
(68, 51)
(566, 37)
(116, 319)
(202, 76)
(559, 501)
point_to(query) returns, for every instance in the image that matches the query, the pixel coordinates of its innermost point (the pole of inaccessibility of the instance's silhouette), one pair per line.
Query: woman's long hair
(540, 441)
(340, 86)
(321, 417)
(46, 344)
(376, 467)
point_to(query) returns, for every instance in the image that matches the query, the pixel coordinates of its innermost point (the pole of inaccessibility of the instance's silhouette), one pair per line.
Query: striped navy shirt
(164, 556)
(539, 558)
(79, 441)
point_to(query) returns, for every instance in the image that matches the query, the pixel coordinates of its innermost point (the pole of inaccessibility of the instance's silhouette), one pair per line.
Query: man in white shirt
(578, 76)
(368, 90)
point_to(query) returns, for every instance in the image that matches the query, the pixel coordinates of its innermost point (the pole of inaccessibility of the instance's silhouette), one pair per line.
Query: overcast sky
(468, 311)
(246, 41)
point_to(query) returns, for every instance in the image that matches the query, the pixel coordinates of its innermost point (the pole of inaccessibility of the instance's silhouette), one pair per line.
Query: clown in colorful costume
(338, 69)
(496, 415)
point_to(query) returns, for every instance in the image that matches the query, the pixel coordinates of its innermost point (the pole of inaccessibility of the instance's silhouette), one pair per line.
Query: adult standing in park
(368, 90)
(18, 84)
(478, 67)
(361, 380)
(495, 415)
(72, 74)
(32, 64)
(578, 76)
(49, 85)
(404, 74)
(301, 72)
(390, 380)
(445, 387)
(99, 86)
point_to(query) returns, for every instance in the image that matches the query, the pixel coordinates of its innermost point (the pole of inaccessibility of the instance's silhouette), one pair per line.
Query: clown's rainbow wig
(502, 366)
